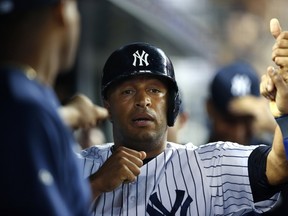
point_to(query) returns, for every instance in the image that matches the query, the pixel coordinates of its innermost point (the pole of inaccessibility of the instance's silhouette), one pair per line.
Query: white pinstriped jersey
(183, 180)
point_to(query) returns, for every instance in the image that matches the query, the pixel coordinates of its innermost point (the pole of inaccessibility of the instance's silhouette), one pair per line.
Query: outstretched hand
(80, 112)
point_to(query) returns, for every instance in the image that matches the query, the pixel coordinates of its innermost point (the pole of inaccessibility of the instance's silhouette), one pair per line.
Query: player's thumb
(101, 112)
(275, 27)
(143, 155)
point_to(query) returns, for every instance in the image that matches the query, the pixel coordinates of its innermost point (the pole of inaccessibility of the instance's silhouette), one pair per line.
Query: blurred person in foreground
(236, 111)
(40, 173)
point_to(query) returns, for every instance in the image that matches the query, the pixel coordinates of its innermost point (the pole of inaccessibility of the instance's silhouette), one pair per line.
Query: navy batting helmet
(142, 59)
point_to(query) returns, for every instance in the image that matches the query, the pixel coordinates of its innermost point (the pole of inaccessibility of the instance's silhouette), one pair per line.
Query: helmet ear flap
(174, 103)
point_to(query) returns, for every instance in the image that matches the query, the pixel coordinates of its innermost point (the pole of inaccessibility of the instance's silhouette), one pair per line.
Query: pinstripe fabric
(183, 180)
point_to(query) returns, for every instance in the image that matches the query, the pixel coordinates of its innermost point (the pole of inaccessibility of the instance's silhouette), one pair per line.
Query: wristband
(282, 121)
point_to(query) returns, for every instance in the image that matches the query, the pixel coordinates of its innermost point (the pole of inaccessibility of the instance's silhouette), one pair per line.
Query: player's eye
(127, 92)
(154, 90)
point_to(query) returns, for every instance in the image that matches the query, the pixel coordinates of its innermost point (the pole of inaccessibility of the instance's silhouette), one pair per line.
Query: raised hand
(274, 88)
(280, 48)
(279, 75)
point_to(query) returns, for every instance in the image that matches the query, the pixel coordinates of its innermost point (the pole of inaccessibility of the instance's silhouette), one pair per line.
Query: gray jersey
(183, 180)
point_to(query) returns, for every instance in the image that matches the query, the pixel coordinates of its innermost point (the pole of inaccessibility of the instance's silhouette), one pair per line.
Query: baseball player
(141, 173)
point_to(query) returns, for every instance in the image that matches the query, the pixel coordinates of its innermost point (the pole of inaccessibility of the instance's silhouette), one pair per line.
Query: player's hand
(257, 107)
(80, 112)
(122, 167)
(280, 57)
(275, 89)
(280, 48)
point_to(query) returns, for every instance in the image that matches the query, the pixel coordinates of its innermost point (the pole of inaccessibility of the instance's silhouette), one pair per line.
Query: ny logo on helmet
(142, 58)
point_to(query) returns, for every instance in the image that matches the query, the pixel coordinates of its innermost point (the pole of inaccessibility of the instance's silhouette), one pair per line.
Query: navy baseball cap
(11, 6)
(232, 81)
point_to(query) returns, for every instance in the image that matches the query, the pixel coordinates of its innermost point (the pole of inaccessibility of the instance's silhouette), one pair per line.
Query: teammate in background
(235, 109)
(180, 121)
(142, 173)
(40, 173)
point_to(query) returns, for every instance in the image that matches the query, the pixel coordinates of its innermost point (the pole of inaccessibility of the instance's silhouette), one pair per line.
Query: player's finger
(128, 166)
(131, 174)
(267, 88)
(281, 43)
(275, 27)
(280, 48)
(100, 112)
(282, 92)
(139, 154)
(128, 170)
(278, 81)
(130, 177)
(281, 61)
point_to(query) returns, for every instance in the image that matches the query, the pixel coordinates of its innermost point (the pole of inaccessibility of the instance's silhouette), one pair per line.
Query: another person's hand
(280, 57)
(274, 88)
(80, 112)
(280, 48)
(122, 167)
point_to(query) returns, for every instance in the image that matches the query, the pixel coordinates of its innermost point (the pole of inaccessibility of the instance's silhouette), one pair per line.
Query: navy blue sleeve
(39, 170)
(260, 187)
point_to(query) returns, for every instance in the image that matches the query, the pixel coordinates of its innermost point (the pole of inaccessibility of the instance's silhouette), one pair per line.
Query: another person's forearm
(277, 164)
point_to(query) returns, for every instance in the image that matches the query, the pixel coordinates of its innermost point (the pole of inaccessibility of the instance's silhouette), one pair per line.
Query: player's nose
(142, 99)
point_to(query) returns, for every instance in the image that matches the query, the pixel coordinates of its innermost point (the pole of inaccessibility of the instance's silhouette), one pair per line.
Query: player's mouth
(142, 120)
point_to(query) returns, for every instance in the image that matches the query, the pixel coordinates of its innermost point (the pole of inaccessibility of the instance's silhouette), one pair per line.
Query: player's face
(72, 27)
(138, 110)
